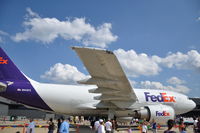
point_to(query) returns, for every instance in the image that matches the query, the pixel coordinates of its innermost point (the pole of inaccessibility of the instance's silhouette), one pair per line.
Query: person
(154, 127)
(51, 126)
(144, 127)
(114, 125)
(58, 125)
(198, 125)
(183, 130)
(96, 126)
(108, 125)
(31, 126)
(64, 127)
(195, 125)
(129, 129)
(170, 125)
(181, 125)
(92, 124)
(101, 128)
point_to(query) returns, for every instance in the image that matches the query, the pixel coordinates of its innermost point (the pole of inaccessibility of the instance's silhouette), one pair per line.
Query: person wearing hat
(101, 128)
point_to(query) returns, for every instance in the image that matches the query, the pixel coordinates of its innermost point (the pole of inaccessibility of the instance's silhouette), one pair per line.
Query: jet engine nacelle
(159, 113)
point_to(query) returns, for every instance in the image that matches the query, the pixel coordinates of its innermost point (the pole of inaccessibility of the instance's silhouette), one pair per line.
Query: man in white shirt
(108, 125)
(101, 128)
(96, 126)
(195, 125)
(144, 127)
(31, 126)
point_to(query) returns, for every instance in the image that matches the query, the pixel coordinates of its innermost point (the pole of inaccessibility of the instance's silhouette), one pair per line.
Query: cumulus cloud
(179, 87)
(46, 30)
(151, 85)
(191, 60)
(31, 13)
(175, 81)
(2, 35)
(136, 64)
(63, 73)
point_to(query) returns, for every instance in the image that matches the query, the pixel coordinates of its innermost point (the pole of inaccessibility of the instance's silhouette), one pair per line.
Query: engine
(159, 113)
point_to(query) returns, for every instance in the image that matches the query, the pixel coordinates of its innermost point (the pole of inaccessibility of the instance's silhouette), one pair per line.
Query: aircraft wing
(107, 74)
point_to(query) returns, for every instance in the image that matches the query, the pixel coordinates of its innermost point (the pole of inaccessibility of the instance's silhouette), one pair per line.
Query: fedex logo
(164, 113)
(159, 98)
(2, 61)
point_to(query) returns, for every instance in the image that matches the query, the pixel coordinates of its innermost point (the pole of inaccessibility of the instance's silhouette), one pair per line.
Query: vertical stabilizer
(8, 70)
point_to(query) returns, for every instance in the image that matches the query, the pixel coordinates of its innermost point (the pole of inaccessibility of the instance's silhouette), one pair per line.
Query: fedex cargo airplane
(106, 92)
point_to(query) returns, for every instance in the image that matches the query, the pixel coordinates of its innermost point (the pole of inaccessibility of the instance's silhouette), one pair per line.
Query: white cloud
(46, 30)
(2, 35)
(157, 85)
(63, 73)
(141, 64)
(31, 13)
(137, 64)
(175, 81)
(191, 60)
(151, 85)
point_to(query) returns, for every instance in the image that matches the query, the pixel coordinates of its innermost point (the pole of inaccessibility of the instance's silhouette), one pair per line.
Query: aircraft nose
(192, 104)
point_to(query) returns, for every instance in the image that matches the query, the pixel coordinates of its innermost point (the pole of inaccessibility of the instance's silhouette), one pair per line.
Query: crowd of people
(109, 126)
(100, 127)
(62, 126)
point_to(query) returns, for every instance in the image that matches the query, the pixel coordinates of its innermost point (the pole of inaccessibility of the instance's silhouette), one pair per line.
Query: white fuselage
(75, 99)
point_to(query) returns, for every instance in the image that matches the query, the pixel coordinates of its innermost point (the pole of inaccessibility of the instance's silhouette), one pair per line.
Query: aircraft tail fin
(8, 70)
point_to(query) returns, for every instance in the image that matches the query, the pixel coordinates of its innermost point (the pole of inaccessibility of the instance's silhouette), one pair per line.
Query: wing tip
(91, 48)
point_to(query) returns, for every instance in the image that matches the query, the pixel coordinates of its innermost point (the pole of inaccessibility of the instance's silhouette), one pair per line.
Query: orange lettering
(165, 98)
(171, 99)
(2, 61)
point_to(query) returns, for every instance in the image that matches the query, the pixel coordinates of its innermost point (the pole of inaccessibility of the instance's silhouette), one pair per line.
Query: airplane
(107, 92)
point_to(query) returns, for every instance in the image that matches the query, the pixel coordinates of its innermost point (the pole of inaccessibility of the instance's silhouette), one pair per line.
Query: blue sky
(157, 42)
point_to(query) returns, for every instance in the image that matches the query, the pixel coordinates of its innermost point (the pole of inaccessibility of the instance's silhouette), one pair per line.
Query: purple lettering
(147, 96)
(160, 98)
(154, 98)
(164, 113)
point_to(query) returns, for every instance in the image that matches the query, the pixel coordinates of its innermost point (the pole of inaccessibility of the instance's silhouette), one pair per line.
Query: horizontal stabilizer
(2, 87)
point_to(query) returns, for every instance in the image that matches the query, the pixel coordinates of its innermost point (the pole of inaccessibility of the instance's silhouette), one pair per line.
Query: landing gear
(112, 118)
(111, 114)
